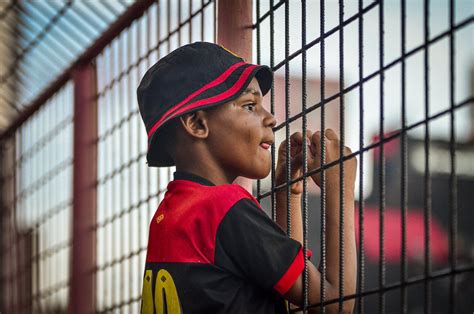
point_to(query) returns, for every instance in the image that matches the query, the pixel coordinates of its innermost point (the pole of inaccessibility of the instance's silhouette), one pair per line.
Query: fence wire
(388, 76)
(38, 217)
(50, 36)
(357, 55)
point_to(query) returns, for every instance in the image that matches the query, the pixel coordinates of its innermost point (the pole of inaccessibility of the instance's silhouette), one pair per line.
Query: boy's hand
(296, 157)
(332, 145)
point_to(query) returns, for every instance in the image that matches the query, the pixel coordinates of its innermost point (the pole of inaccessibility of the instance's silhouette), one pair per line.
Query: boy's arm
(294, 295)
(331, 282)
(281, 214)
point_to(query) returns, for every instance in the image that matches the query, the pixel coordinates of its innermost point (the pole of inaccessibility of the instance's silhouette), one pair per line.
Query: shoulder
(229, 204)
(191, 215)
(209, 203)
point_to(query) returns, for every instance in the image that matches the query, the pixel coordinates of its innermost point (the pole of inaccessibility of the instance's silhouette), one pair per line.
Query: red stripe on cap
(243, 77)
(295, 269)
(217, 81)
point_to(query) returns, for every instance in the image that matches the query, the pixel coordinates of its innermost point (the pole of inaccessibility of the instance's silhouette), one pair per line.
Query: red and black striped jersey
(212, 249)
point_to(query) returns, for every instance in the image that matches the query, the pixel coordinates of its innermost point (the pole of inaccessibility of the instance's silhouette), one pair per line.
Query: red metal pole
(234, 31)
(234, 26)
(83, 264)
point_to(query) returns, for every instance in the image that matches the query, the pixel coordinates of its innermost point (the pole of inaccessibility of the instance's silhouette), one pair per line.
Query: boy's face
(238, 131)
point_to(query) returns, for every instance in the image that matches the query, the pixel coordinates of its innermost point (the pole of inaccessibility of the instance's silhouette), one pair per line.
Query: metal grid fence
(330, 44)
(50, 36)
(39, 216)
(336, 67)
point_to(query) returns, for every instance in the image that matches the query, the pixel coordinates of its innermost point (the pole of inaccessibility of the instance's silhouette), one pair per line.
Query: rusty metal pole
(234, 31)
(83, 258)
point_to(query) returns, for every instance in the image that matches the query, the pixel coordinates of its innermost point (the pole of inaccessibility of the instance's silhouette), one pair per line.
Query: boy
(212, 249)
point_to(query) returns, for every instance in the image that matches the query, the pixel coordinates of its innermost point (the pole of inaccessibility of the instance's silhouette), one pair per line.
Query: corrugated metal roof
(46, 37)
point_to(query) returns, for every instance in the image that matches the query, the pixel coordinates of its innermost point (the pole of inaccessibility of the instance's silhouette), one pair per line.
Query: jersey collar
(183, 175)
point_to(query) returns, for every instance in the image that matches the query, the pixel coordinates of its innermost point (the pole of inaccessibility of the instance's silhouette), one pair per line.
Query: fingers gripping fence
(388, 77)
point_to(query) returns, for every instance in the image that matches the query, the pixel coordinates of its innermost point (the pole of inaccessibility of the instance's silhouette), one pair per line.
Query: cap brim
(264, 77)
(157, 156)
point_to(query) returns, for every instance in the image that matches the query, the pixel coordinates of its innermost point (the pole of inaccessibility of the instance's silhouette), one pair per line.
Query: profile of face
(241, 133)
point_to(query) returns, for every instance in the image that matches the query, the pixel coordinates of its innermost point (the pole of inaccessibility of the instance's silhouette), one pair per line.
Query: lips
(267, 141)
(265, 145)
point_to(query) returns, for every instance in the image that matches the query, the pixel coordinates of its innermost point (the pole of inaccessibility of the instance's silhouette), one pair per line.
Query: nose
(269, 119)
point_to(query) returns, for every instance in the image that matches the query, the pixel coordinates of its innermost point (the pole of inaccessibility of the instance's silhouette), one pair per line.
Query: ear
(195, 124)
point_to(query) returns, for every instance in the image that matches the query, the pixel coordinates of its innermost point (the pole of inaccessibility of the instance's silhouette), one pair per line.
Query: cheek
(248, 133)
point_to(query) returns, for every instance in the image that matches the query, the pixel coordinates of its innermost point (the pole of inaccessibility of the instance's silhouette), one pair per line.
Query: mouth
(266, 144)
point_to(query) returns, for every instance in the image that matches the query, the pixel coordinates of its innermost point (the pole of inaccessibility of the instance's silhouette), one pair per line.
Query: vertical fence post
(234, 31)
(3, 210)
(83, 257)
(9, 285)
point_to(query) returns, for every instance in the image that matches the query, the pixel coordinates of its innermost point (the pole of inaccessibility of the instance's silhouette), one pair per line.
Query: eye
(251, 106)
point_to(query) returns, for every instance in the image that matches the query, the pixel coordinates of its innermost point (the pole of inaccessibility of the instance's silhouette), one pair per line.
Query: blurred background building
(77, 196)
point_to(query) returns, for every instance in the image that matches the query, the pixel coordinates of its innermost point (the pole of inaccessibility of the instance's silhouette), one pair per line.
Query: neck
(206, 168)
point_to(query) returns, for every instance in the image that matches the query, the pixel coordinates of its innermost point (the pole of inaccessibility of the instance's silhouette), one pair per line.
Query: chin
(260, 172)
(256, 169)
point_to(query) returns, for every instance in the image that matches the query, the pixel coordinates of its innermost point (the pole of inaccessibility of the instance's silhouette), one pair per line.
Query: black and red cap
(191, 78)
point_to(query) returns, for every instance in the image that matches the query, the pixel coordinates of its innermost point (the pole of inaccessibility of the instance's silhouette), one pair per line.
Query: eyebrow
(252, 91)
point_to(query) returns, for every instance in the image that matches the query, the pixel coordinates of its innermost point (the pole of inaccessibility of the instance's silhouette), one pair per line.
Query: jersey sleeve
(251, 245)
